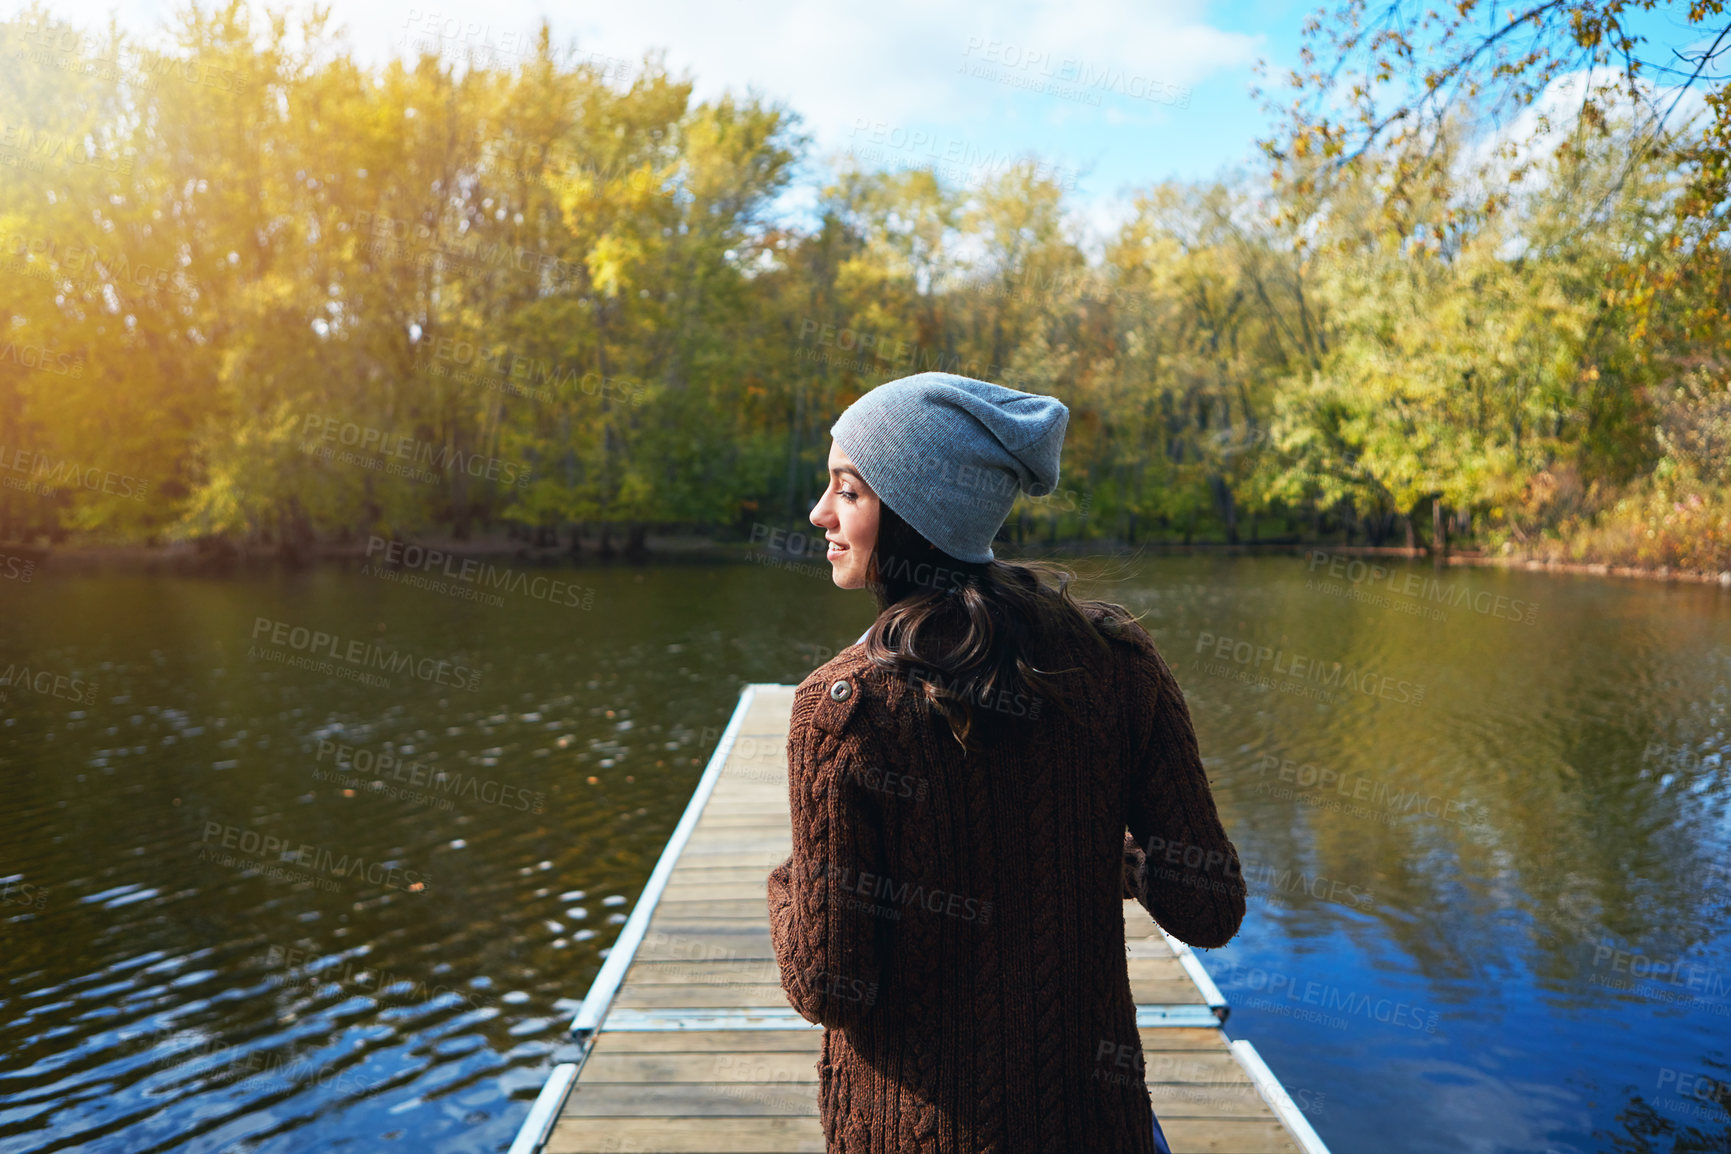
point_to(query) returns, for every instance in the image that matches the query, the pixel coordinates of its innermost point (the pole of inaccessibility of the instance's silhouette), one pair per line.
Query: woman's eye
(851, 497)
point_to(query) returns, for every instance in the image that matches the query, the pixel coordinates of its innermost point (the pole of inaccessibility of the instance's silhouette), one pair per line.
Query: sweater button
(840, 691)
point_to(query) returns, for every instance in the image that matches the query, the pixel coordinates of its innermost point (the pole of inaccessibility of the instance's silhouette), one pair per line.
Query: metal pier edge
(1276, 1096)
(545, 1112)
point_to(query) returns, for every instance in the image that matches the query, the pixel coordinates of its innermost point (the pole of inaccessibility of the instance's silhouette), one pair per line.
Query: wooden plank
(1180, 1038)
(765, 823)
(763, 727)
(731, 890)
(712, 869)
(704, 1041)
(682, 1066)
(696, 972)
(1173, 993)
(743, 839)
(1214, 1080)
(692, 1099)
(766, 774)
(688, 874)
(803, 1135)
(1227, 1136)
(733, 996)
(739, 942)
(733, 929)
(1156, 969)
(697, 893)
(647, 972)
(698, 947)
(689, 1136)
(764, 833)
(747, 907)
(764, 743)
(770, 855)
(1194, 1067)
(745, 861)
(1193, 1102)
(756, 825)
(1138, 926)
(706, 846)
(766, 856)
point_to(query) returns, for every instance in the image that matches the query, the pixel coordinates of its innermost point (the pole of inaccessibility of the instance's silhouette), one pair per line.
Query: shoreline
(693, 548)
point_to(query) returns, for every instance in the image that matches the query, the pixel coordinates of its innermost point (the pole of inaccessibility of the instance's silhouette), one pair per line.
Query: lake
(1487, 851)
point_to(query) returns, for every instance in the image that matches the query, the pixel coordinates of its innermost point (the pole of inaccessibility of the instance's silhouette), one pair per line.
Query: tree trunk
(294, 546)
(1439, 534)
(636, 542)
(1411, 537)
(1228, 507)
(576, 549)
(793, 431)
(459, 495)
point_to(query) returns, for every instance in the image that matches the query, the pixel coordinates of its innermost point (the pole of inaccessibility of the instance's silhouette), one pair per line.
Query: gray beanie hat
(949, 453)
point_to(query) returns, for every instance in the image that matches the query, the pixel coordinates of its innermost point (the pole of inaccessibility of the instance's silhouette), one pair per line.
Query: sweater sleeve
(824, 926)
(1192, 881)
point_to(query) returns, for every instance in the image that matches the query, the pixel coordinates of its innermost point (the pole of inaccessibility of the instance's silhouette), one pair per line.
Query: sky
(1110, 96)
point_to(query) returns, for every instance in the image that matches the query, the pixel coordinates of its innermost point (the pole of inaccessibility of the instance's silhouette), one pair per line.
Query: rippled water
(1454, 871)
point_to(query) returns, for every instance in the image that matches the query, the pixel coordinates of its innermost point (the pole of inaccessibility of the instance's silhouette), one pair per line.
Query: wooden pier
(686, 1042)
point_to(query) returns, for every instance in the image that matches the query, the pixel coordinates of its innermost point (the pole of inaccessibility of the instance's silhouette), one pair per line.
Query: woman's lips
(835, 550)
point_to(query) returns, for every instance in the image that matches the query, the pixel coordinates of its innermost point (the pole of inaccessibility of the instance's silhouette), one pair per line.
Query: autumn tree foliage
(258, 294)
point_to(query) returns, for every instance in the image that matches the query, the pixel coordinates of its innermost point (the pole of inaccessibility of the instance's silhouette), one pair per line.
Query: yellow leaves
(610, 262)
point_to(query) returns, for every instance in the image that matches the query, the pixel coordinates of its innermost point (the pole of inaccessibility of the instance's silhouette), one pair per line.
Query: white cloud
(893, 60)
(1557, 107)
(903, 61)
(1100, 90)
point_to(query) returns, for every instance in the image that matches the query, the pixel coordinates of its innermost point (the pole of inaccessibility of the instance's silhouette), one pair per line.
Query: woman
(960, 783)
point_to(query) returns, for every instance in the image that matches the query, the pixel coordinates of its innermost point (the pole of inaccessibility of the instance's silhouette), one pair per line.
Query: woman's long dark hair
(970, 635)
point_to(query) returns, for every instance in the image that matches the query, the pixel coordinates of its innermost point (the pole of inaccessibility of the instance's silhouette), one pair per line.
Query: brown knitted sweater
(957, 922)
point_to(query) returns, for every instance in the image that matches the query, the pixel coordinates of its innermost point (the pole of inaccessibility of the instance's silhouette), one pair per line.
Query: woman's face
(848, 514)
